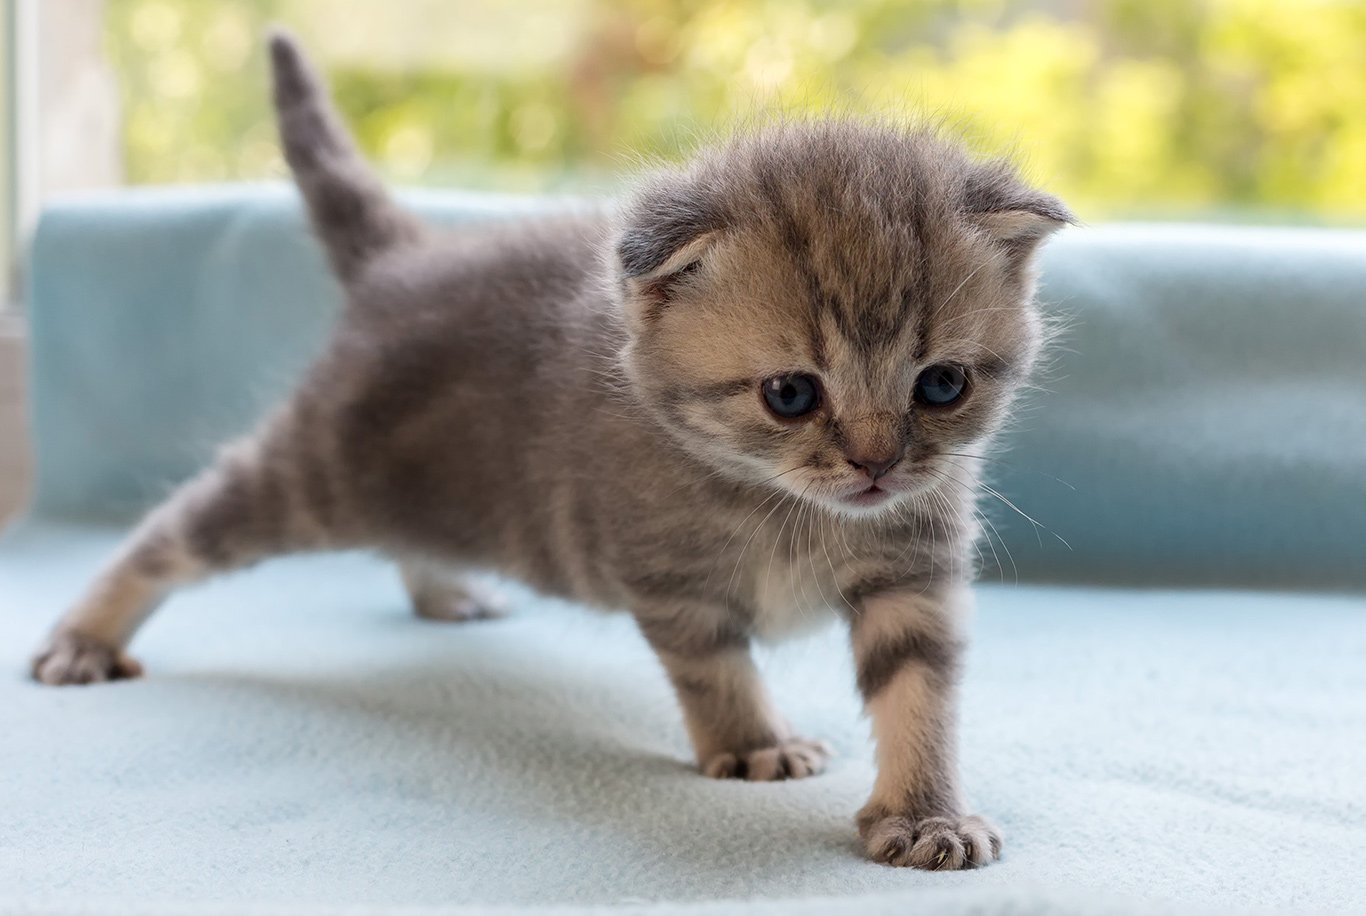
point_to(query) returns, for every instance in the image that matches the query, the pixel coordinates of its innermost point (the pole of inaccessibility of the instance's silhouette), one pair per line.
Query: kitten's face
(842, 334)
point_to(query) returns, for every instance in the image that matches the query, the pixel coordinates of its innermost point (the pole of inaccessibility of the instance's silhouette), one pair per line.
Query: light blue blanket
(302, 744)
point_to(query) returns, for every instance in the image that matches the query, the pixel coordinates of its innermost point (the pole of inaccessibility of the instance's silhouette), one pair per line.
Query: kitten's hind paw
(794, 758)
(74, 658)
(453, 606)
(438, 594)
(930, 843)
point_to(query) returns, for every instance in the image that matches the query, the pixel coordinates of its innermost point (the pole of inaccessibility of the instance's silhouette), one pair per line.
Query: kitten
(743, 398)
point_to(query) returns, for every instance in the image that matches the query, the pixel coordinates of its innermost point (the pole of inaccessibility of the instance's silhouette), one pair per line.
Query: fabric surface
(303, 744)
(302, 739)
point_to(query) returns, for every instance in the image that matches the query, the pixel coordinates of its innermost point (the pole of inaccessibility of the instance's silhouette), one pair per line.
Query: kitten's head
(832, 308)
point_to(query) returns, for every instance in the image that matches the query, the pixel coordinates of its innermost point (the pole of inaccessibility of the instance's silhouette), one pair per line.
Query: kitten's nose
(876, 465)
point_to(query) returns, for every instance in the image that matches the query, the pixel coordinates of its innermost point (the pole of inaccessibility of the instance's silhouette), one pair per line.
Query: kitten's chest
(795, 585)
(807, 573)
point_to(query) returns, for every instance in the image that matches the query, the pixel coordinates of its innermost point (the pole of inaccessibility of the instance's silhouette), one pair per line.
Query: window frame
(19, 138)
(18, 208)
(7, 176)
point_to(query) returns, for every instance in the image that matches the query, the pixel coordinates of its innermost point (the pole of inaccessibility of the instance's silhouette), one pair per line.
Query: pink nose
(875, 466)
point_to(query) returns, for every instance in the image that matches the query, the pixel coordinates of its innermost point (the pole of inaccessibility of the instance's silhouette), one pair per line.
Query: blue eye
(791, 396)
(939, 386)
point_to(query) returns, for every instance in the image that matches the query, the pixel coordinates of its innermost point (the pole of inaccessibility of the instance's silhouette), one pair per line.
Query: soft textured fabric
(301, 738)
(303, 744)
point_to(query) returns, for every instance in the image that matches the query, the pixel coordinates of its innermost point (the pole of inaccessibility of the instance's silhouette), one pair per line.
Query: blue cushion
(1203, 422)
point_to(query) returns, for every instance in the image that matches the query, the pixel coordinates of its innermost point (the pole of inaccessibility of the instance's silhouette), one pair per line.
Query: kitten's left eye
(791, 396)
(940, 386)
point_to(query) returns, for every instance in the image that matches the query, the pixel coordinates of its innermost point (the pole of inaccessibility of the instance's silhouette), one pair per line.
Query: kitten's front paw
(791, 759)
(931, 843)
(74, 658)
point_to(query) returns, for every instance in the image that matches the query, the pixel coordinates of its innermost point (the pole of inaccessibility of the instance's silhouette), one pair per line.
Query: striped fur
(574, 401)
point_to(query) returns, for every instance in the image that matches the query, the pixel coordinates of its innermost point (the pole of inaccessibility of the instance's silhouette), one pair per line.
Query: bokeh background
(1250, 110)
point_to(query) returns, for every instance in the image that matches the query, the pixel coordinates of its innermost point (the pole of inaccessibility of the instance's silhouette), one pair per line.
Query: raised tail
(353, 215)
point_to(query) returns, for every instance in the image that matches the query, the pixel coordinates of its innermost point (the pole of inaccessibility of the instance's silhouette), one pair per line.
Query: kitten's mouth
(872, 496)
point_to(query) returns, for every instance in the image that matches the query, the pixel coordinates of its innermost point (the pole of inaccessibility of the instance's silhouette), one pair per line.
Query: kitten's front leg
(907, 650)
(735, 729)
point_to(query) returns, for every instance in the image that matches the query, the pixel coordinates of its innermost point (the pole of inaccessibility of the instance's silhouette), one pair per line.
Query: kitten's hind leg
(253, 503)
(441, 593)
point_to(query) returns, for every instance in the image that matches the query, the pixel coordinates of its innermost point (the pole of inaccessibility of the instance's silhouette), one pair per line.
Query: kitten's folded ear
(1010, 211)
(664, 231)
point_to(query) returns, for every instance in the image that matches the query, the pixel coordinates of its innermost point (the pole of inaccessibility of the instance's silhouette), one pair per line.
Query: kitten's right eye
(791, 396)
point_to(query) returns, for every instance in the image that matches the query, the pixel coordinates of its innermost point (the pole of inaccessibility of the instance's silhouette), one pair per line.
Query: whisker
(995, 460)
(1025, 515)
(778, 538)
(971, 496)
(947, 299)
(951, 511)
(934, 545)
(835, 577)
(793, 550)
(1038, 526)
(711, 475)
(849, 553)
(913, 516)
(736, 529)
(1015, 570)
(810, 557)
(984, 517)
(757, 528)
(976, 343)
(791, 544)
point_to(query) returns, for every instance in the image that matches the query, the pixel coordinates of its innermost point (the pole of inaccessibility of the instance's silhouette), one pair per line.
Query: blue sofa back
(1203, 420)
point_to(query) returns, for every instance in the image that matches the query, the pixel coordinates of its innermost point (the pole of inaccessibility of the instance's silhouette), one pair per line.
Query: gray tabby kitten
(734, 404)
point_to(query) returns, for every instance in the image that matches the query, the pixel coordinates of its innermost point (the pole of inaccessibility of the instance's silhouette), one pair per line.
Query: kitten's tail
(352, 214)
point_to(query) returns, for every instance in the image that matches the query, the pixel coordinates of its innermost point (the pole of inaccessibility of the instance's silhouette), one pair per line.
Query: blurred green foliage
(1254, 108)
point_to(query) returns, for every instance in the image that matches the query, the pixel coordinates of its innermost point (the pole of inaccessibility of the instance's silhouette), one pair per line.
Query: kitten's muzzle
(872, 496)
(873, 443)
